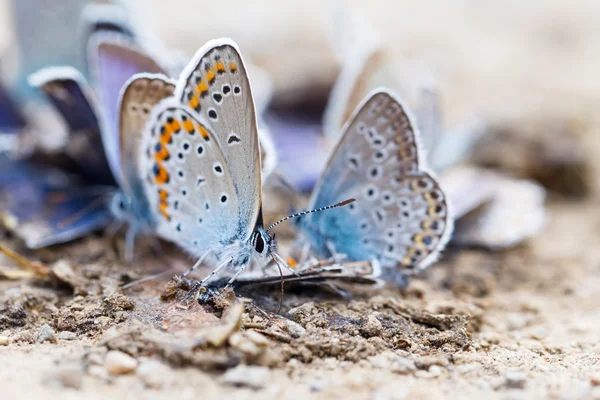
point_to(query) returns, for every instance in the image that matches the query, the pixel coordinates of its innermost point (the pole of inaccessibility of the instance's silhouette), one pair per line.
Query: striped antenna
(341, 204)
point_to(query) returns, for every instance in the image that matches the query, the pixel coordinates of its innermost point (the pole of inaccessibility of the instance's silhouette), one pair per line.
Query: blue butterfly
(401, 217)
(199, 164)
(91, 199)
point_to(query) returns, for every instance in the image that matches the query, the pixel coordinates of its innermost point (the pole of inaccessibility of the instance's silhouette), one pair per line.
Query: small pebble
(318, 385)
(595, 379)
(98, 371)
(70, 376)
(95, 356)
(393, 362)
(372, 327)
(514, 379)
(66, 335)
(435, 370)
(295, 329)
(241, 342)
(427, 361)
(153, 373)
(119, 363)
(257, 338)
(3, 340)
(46, 334)
(468, 368)
(248, 376)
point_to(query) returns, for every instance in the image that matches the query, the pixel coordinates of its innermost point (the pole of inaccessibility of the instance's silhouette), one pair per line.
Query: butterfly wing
(187, 182)
(44, 206)
(401, 216)
(138, 97)
(493, 211)
(68, 91)
(12, 122)
(113, 60)
(11, 119)
(216, 87)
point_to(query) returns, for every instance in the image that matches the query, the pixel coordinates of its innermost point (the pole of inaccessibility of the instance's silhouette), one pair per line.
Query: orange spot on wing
(232, 67)
(162, 195)
(201, 87)
(162, 155)
(210, 75)
(163, 176)
(175, 126)
(194, 102)
(188, 125)
(203, 131)
(162, 207)
(220, 66)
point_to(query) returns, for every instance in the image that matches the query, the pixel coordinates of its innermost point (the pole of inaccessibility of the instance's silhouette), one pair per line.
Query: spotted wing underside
(216, 87)
(400, 216)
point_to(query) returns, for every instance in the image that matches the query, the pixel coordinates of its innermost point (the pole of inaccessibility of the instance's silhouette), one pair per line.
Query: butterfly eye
(259, 243)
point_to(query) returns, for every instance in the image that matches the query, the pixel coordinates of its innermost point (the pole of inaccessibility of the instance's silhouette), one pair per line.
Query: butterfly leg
(112, 229)
(130, 244)
(335, 256)
(280, 259)
(197, 264)
(238, 271)
(216, 270)
(305, 254)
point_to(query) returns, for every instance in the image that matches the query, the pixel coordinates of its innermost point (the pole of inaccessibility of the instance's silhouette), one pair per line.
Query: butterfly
(200, 164)
(401, 217)
(200, 161)
(492, 210)
(92, 156)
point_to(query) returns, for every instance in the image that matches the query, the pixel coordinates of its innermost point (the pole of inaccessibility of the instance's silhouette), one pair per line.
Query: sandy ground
(522, 323)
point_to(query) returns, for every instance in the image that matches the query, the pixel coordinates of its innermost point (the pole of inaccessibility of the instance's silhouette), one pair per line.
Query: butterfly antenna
(301, 213)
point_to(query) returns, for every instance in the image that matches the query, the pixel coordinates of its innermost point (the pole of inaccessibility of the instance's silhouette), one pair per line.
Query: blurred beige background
(493, 57)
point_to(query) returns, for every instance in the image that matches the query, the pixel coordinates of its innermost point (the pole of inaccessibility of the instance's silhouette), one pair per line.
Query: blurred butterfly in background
(93, 126)
(502, 211)
(57, 34)
(401, 217)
